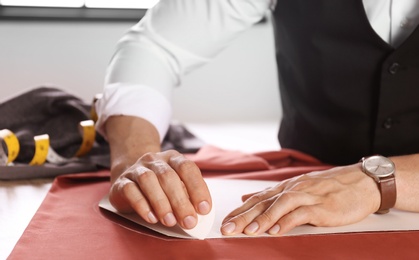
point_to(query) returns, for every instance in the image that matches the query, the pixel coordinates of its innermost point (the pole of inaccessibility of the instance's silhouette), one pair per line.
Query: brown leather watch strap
(388, 192)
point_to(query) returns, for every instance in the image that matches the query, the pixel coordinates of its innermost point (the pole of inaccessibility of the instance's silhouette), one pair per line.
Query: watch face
(379, 166)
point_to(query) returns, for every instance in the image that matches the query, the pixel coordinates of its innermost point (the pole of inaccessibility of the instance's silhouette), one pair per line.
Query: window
(137, 4)
(74, 9)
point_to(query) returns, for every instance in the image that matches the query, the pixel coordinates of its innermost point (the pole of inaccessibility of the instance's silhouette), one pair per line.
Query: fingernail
(169, 219)
(151, 217)
(204, 207)
(274, 230)
(228, 228)
(252, 228)
(189, 222)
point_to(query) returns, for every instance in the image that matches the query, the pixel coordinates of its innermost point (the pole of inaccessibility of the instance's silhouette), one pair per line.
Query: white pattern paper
(226, 196)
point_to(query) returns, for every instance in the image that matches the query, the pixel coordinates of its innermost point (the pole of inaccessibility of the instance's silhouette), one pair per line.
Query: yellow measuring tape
(43, 150)
(12, 145)
(88, 132)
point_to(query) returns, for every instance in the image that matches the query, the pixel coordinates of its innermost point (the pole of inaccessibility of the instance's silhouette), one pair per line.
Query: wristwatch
(382, 170)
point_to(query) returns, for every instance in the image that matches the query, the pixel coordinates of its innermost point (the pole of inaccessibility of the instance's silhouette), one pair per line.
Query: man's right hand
(158, 186)
(163, 186)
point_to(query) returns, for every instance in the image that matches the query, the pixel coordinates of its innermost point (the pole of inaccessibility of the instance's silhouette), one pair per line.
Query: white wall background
(240, 84)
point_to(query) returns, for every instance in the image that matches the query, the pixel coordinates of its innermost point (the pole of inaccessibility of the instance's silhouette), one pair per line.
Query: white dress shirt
(178, 36)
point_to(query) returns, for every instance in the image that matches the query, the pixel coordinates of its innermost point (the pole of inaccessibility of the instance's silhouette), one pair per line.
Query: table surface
(19, 200)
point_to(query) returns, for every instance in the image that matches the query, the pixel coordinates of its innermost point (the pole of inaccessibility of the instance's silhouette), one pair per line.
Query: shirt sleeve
(173, 38)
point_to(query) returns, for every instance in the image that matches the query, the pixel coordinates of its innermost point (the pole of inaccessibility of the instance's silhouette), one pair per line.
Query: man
(348, 78)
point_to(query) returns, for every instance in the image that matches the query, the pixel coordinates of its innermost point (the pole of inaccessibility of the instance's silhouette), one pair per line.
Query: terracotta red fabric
(270, 165)
(69, 224)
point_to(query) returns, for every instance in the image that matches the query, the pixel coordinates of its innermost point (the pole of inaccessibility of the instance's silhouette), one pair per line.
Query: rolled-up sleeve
(174, 38)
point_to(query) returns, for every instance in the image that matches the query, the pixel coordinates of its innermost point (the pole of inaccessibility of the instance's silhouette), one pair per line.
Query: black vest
(345, 92)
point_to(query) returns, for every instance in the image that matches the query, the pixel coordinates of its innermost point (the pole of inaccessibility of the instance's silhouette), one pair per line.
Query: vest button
(388, 123)
(394, 68)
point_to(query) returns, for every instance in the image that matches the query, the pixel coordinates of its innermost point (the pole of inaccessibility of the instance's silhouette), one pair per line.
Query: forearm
(407, 182)
(129, 138)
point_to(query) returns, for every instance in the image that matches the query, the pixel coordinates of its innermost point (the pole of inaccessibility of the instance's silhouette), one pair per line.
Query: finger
(266, 213)
(247, 196)
(253, 200)
(238, 223)
(125, 196)
(174, 189)
(149, 185)
(195, 185)
(184, 189)
(298, 217)
(282, 206)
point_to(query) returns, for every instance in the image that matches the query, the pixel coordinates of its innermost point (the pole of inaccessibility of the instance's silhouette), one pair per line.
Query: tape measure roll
(41, 150)
(12, 145)
(88, 132)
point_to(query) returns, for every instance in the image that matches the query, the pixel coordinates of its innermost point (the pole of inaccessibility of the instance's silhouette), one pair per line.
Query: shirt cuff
(134, 100)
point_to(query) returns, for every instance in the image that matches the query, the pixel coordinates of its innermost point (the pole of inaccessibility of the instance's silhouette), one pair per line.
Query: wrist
(129, 139)
(382, 170)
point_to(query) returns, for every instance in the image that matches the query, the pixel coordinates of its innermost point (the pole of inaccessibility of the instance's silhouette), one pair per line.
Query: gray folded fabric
(52, 111)
(49, 110)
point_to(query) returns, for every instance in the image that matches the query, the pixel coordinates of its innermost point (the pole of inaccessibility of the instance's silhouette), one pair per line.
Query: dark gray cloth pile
(52, 111)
